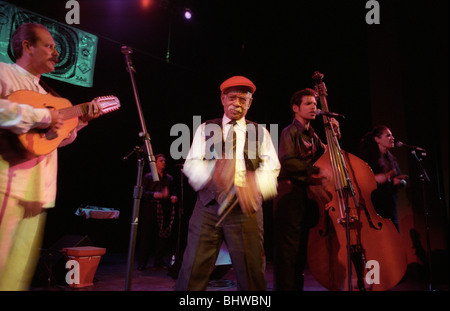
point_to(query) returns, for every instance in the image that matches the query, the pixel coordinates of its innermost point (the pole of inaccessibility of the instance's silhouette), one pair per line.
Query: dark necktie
(231, 139)
(228, 198)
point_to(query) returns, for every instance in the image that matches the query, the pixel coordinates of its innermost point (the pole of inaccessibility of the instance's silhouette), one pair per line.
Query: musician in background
(250, 174)
(27, 184)
(157, 215)
(299, 148)
(375, 150)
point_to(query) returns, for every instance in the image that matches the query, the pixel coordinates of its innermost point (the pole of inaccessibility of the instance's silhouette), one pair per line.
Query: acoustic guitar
(43, 141)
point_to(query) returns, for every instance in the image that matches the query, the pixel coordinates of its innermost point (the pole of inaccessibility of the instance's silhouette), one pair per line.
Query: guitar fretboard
(74, 111)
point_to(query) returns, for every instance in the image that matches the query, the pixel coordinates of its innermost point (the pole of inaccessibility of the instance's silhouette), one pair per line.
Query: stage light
(187, 14)
(145, 4)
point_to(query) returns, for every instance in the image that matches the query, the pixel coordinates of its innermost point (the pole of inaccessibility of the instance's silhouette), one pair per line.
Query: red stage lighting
(146, 3)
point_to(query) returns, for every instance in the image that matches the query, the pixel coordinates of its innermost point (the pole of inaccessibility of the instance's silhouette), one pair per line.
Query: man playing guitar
(27, 181)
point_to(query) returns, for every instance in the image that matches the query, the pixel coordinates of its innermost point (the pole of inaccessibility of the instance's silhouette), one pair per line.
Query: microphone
(126, 50)
(329, 114)
(401, 144)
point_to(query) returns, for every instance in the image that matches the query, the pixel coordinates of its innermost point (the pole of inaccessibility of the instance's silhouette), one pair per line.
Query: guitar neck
(74, 111)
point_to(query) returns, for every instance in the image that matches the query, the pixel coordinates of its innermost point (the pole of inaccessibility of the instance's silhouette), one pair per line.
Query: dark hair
(296, 98)
(22, 33)
(159, 155)
(368, 147)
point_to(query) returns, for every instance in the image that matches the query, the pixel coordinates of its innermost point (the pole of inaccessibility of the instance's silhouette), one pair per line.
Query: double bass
(351, 247)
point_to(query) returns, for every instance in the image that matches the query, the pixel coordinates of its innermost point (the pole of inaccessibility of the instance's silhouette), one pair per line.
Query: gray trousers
(244, 238)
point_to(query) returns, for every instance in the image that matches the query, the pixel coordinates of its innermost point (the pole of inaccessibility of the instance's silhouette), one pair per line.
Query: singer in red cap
(239, 82)
(232, 175)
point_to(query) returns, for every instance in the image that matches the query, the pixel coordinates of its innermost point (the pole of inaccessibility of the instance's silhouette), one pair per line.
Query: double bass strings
(336, 166)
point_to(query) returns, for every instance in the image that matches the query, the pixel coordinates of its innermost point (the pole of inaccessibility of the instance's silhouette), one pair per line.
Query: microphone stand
(137, 194)
(176, 257)
(423, 177)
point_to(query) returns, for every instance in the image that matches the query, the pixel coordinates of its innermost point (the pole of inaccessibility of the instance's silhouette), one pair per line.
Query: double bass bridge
(352, 220)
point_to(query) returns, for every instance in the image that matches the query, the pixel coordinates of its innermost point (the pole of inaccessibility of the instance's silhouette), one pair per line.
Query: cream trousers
(21, 231)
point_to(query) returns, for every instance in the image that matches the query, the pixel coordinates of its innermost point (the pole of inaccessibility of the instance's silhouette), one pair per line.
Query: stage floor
(111, 275)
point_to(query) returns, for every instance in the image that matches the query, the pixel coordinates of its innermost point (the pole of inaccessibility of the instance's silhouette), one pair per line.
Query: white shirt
(31, 180)
(199, 171)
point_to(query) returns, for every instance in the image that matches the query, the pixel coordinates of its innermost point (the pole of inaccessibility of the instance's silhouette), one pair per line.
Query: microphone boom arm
(329, 114)
(138, 189)
(412, 148)
(144, 134)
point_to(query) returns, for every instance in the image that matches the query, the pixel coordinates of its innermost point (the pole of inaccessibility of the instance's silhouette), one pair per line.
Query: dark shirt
(384, 198)
(150, 187)
(385, 164)
(298, 151)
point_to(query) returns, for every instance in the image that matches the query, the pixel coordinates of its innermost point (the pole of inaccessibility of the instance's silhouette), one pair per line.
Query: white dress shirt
(199, 170)
(31, 180)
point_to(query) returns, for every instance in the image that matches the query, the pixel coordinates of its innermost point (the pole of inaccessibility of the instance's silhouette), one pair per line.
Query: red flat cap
(238, 81)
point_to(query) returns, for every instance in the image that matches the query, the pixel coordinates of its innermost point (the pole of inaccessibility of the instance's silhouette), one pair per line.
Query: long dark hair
(368, 147)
